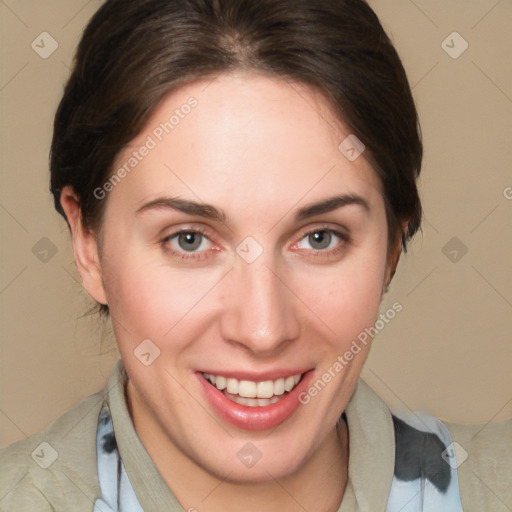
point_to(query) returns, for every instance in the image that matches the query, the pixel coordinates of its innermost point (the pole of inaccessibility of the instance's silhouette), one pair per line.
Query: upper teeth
(251, 389)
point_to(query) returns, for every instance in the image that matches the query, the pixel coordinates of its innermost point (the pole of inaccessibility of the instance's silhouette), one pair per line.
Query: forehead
(241, 138)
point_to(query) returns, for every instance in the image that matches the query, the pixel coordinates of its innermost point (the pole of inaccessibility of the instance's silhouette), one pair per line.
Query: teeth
(279, 387)
(289, 383)
(218, 381)
(247, 392)
(247, 389)
(254, 402)
(265, 389)
(232, 386)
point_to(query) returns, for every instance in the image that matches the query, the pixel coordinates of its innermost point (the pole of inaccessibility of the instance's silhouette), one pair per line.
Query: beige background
(448, 352)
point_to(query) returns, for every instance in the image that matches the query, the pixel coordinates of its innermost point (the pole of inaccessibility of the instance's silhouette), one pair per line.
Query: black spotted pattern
(418, 454)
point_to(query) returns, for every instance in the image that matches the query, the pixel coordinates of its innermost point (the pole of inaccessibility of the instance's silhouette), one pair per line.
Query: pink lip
(255, 418)
(257, 377)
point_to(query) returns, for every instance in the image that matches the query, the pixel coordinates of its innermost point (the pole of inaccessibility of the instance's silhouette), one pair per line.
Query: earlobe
(85, 247)
(392, 267)
(393, 258)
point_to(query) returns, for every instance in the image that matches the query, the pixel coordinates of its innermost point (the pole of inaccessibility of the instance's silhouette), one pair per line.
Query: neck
(317, 485)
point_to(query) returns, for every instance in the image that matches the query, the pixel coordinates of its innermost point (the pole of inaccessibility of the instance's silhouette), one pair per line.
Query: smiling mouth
(251, 393)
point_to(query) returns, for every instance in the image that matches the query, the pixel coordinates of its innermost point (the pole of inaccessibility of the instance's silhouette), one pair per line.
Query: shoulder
(484, 459)
(56, 467)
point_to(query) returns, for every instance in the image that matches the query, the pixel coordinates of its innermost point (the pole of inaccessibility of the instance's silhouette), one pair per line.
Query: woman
(239, 179)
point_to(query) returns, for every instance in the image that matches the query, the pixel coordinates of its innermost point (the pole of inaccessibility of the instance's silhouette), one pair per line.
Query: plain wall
(448, 351)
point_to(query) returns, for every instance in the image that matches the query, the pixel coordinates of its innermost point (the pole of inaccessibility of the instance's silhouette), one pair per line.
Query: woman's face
(280, 265)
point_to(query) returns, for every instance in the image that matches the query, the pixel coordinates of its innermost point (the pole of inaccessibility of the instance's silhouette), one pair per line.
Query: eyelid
(338, 230)
(186, 229)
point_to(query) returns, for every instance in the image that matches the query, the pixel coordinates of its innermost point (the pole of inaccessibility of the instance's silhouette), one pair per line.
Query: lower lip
(255, 418)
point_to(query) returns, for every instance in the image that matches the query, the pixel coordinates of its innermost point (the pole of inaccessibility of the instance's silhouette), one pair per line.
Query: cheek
(346, 300)
(152, 300)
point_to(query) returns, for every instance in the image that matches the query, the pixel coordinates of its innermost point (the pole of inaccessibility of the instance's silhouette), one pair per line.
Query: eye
(317, 240)
(320, 240)
(189, 241)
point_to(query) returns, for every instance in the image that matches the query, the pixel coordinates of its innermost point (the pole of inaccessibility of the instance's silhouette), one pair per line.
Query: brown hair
(134, 52)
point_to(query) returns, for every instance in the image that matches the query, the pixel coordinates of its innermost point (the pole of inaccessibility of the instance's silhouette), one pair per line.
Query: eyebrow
(330, 204)
(210, 212)
(183, 205)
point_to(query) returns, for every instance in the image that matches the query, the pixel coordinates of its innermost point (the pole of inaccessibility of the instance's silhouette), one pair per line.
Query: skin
(258, 149)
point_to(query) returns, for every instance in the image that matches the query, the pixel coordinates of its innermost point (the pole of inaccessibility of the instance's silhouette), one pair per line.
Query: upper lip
(256, 376)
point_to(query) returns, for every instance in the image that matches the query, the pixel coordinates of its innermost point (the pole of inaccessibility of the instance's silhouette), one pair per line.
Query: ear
(394, 255)
(85, 247)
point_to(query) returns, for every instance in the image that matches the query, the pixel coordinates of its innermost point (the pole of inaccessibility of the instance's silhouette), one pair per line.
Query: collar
(371, 450)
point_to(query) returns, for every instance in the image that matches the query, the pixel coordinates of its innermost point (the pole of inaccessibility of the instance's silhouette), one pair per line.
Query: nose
(260, 309)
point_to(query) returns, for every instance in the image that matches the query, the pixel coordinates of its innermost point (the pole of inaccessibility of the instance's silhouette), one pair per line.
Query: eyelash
(201, 255)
